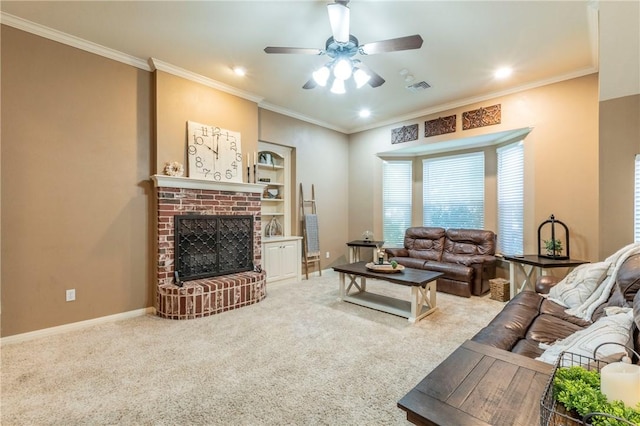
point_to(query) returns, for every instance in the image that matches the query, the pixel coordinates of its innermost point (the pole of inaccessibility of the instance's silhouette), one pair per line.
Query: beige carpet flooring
(299, 357)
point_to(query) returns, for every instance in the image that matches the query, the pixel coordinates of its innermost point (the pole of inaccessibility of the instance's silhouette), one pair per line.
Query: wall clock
(213, 153)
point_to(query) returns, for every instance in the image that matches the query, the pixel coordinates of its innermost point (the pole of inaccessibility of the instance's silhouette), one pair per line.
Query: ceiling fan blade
(339, 19)
(297, 50)
(375, 80)
(392, 45)
(310, 84)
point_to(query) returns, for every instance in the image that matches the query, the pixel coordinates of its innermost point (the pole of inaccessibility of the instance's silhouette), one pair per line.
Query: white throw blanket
(602, 292)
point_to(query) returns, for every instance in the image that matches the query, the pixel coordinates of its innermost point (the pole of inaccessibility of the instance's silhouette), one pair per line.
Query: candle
(621, 381)
(255, 158)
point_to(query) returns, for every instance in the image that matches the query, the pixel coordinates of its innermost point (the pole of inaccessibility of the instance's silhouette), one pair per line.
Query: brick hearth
(200, 298)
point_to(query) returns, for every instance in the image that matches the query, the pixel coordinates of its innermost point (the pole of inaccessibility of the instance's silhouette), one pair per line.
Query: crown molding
(69, 40)
(292, 114)
(157, 64)
(468, 101)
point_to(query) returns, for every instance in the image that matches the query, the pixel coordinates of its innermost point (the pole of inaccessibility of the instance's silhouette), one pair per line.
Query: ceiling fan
(341, 47)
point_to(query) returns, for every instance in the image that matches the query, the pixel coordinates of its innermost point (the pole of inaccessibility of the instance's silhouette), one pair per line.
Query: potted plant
(553, 247)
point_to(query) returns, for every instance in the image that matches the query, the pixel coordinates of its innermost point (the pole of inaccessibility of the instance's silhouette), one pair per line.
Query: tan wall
(321, 159)
(561, 155)
(179, 100)
(75, 193)
(619, 143)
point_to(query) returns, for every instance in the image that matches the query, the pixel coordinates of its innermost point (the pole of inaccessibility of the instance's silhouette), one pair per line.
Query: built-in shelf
(281, 251)
(270, 166)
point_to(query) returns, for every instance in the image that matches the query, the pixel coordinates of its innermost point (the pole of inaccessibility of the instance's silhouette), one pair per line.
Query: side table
(479, 385)
(529, 263)
(354, 248)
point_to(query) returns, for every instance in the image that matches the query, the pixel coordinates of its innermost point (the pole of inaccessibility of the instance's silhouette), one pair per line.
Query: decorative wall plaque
(404, 134)
(440, 126)
(481, 117)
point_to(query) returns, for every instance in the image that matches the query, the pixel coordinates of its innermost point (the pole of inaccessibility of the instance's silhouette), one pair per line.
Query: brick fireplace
(206, 296)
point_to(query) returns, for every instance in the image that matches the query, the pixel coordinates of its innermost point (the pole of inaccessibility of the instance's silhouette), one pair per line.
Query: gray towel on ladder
(311, 228)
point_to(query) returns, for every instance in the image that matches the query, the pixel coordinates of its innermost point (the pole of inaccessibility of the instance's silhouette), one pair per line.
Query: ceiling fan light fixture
(338, 87)
(361, 77)
(321, 76)
(339, 19)
(343, 69)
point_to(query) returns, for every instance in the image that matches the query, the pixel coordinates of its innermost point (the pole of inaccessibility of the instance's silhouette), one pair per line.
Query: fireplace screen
(208, 246)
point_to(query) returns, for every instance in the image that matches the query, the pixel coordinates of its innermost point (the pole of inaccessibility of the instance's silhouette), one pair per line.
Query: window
(636, 210)
(396, 201)
(453, 191)
(511, 198)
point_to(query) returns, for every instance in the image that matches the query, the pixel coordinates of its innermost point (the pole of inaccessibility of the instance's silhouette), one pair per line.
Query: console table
(529, 263)
(354, 248)
(479, 385)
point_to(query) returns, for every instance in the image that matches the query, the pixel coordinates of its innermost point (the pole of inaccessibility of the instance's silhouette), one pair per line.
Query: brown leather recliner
(464, 256)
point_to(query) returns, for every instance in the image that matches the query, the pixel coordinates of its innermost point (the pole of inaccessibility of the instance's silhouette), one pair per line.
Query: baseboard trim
(18, 338)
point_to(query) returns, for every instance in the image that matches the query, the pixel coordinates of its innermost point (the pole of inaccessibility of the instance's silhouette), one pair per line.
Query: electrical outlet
(326, 255)
(71, 295)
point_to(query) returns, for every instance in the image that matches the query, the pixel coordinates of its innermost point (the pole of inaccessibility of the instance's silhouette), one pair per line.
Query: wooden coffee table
(422, 283)
(479, 385)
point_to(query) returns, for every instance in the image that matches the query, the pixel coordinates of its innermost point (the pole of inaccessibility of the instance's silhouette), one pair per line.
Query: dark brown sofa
(464, 256)
(529, 319)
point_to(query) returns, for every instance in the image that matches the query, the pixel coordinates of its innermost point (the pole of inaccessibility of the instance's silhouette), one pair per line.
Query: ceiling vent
(418, 87)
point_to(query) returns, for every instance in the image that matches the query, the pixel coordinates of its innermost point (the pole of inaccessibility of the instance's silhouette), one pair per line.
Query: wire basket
(552, 412)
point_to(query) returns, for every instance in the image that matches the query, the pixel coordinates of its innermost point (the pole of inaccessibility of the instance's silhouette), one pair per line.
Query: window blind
(453, 191)
(396, 201)
(511, 198)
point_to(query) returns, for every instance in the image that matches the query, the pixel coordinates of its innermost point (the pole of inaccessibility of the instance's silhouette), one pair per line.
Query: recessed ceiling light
(364, 113)
(239, 71)
(503, 72)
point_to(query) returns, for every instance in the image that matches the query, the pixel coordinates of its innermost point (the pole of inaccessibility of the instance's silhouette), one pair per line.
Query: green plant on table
(553, 246)
(579, 390)
(394, 264)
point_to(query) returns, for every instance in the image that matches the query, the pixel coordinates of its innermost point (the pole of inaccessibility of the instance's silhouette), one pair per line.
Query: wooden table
(422, 283)
(354, 248)
(479, 385)
(528, 264)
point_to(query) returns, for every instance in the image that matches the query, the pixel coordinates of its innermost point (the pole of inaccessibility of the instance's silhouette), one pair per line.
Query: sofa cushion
(548, 329)
(579, 284)
(450, 270)
(511, 324)
(628, 279)
(462, 245)
(410, 262)
(549, 307)
(528, 348)
(611, 329)
(424, 242)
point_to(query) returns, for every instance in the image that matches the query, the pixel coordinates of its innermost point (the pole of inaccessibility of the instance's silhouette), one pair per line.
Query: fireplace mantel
(163, 181)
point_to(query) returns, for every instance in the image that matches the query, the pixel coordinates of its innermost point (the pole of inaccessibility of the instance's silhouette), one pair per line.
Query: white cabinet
(282, 259)
(281, 252)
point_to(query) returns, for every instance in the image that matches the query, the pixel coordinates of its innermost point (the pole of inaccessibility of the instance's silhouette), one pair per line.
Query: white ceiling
(464, 42)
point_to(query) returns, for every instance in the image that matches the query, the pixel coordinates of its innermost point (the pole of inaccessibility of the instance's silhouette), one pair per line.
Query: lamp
(361, 77)
(321, 76)
(343, 69)
(340, 70)
(338, 87)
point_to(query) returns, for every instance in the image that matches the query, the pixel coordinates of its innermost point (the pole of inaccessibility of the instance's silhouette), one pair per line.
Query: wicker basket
(499, 289)
(553, 412)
